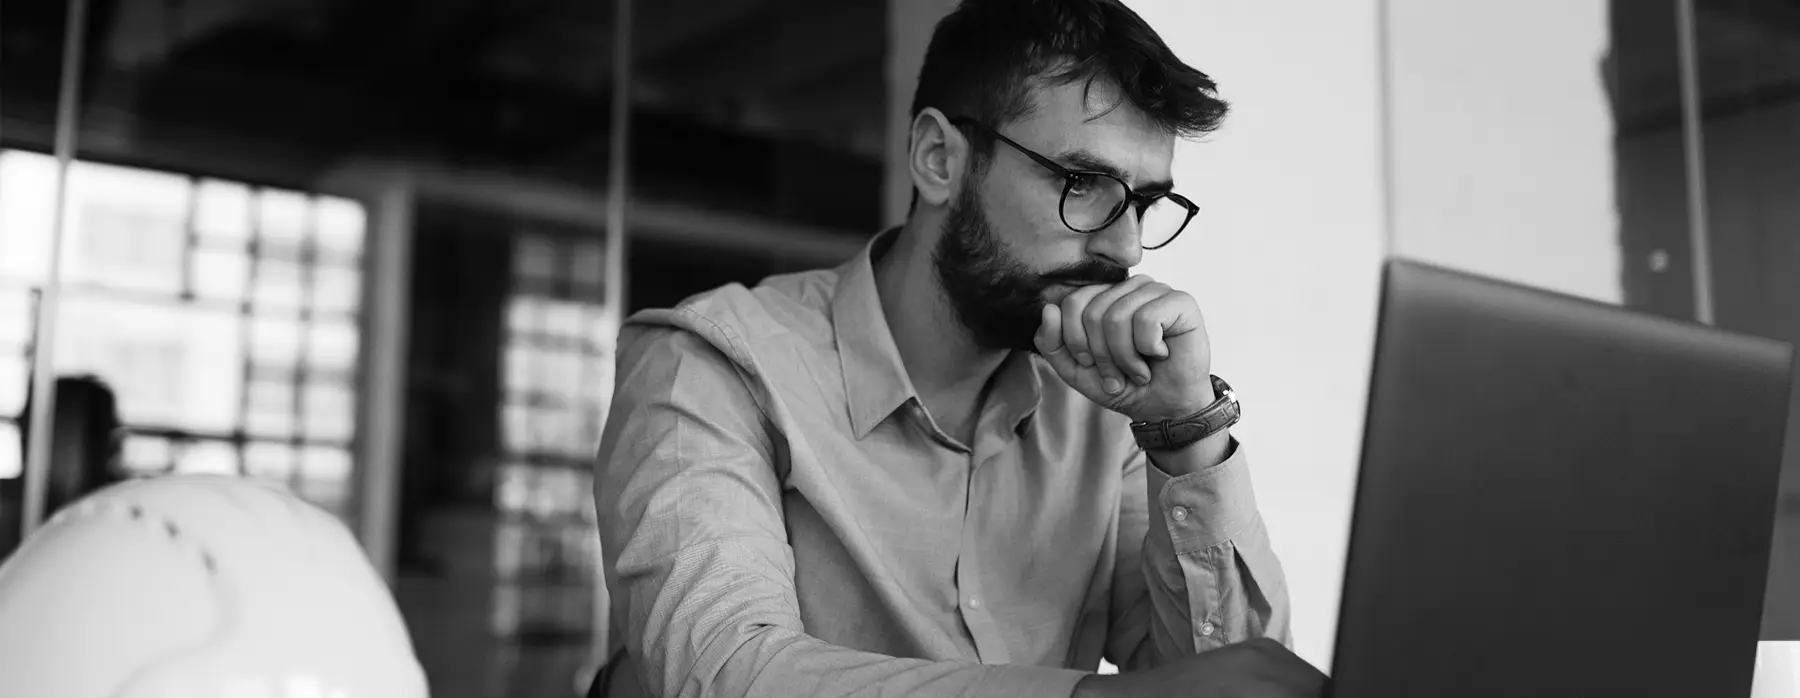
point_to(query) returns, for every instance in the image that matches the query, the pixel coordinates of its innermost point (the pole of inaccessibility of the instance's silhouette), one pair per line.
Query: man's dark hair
(986, 57)
(83, 433)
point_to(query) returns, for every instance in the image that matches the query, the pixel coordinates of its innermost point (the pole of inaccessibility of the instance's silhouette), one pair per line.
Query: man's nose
(1121, 243)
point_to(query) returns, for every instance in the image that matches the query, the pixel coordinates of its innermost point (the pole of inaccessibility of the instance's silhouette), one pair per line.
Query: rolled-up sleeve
(696, 553)
(1202, 573)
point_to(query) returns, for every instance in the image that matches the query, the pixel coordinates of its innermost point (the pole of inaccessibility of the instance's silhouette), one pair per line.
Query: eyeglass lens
(1091, 202)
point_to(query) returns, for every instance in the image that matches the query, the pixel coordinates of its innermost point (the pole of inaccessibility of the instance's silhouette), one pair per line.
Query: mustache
(1089, 272)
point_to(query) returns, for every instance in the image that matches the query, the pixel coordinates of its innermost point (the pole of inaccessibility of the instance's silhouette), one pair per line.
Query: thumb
(1049, 341)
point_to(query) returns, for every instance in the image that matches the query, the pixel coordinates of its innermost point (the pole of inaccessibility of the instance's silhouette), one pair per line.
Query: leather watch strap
(1175, 434)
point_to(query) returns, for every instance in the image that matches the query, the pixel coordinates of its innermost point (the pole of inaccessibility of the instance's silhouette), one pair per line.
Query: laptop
(1557, 498)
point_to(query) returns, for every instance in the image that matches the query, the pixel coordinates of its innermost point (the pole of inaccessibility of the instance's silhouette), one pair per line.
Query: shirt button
(1180, 513)
(975, 603)
(1206, 629)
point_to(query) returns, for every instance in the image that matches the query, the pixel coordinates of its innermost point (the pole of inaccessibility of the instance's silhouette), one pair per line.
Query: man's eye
(1081, 184)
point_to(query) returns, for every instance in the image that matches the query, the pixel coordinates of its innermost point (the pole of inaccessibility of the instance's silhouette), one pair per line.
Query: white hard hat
(202, 586)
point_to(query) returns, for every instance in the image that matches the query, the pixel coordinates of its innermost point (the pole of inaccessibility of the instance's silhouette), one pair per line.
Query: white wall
(1502, 156)
(1286, 262)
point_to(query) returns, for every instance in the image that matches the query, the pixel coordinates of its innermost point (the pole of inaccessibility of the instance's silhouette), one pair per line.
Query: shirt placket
(977, 607)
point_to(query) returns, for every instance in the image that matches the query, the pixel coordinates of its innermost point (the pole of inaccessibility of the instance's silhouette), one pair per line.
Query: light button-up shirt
(780, 516)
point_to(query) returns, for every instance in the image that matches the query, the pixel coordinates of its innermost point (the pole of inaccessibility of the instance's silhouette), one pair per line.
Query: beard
(995, 296)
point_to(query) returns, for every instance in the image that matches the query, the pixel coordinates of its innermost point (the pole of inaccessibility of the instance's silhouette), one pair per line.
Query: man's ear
(937, 158)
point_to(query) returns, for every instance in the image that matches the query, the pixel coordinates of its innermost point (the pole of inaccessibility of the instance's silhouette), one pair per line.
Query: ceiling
(770, 104)
(1748, 55)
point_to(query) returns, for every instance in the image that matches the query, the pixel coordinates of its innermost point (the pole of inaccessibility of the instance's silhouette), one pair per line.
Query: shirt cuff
(1201, 510)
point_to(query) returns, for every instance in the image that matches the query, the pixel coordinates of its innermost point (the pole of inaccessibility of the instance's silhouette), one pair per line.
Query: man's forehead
(1091, 118)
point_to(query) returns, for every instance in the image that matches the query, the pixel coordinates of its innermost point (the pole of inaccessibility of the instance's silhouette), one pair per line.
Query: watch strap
(1175, 434)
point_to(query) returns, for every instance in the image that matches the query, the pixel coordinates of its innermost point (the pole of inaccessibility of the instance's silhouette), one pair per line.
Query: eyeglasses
(1091, 200)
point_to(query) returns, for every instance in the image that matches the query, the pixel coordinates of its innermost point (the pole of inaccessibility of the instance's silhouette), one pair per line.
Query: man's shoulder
(737, 320)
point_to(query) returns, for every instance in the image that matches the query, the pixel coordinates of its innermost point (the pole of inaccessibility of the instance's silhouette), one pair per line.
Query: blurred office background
(378, 249)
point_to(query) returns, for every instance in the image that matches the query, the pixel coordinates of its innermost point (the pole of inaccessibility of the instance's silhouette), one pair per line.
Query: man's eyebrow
(1083, 159)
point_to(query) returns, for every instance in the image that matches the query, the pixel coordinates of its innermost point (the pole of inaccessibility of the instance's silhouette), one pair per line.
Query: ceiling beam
(669, 26)
(1778, 19)
(585, 207)
(791, 46)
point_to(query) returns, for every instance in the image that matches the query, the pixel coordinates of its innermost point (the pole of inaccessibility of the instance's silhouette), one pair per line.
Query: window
(557, 373)
(224, 316)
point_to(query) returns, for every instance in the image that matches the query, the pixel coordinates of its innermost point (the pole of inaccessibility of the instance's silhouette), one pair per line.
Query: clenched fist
(1137, 347)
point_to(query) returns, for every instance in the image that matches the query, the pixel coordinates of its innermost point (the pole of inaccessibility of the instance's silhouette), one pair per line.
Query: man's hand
(1138, 348)
(1260, 668)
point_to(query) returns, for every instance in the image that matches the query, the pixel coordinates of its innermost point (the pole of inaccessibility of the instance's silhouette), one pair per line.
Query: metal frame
(43, 377)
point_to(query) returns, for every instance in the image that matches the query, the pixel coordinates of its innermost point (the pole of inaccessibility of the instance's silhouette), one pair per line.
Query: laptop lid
(1557, 498)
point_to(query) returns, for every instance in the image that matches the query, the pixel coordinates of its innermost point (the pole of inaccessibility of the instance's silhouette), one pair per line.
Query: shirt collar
(875, 379)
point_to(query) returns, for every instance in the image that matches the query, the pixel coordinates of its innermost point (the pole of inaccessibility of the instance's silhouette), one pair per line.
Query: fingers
(1075, 335)
(1095, 330)
(1049, 341)
(1048, 337)
(1124, 322)
(1169, 315)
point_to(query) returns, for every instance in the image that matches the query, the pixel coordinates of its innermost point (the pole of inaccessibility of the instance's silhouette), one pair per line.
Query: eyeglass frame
(1132, 196)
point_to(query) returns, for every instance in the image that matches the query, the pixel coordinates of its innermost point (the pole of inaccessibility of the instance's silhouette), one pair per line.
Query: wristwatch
(1175, 434)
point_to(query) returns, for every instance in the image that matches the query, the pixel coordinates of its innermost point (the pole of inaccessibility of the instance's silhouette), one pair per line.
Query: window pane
(333, 347)
(147, 455)
(15, 376)
(516, 429)
(589, 260)
(271, 409)
(340, 227)
(275, 342)
(602, 327)
(213, 390)
(336, 290)
(524, 315)
(564, 432)
(536, 259)
(136, 348)
(12, 462)
(277, 284)
(270, 461)
(510, 541)
(568, 491)
(28, 186)
(127, 228)
(563, 318)
(512, 492)
(522, 367)
(281, 217)
(564, 375)
(170, 365)
(600, 382)
(206, 457)
(222, 211)
(221, 274)
(325, 476)
(15, 317)
(330, 412)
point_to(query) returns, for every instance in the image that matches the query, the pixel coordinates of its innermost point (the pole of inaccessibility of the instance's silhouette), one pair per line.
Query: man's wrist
(1202, 399)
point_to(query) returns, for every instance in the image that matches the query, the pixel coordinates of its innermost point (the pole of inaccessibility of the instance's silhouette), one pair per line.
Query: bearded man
(979, 457)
